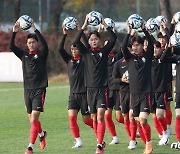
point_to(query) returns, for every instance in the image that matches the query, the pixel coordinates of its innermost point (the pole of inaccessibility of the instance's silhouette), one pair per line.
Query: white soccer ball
(152, 25)
(177, 17)
(177, 28)
(175, 39)
(70, 23)
(109, 22)
(94, 18)
(135, 21)
(161, 19)
(24, 22)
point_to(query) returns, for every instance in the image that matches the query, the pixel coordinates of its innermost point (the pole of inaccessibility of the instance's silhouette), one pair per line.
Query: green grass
(14, 126)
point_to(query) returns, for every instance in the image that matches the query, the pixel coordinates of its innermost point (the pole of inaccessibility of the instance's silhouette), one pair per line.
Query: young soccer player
(35, 81)
(168, 57)
(139, 68)
(96, 77)
(78, 95)
(159, 81)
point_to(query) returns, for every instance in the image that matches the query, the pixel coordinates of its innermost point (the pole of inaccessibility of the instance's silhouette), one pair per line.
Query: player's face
(137, 47)
(94, 41)
(157, 51)
(32, 44)
(75, 52)
(162, 41)
(145, 45)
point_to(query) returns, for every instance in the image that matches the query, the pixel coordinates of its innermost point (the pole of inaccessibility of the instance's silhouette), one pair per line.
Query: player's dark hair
(33, 36)
(157, 44)
(138, 39)
(160, 35)
(95, 33)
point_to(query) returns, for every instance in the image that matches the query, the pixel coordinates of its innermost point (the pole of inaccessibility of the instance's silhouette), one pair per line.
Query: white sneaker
(160, 136)
(164, 140)
(78, 145)
(114, 141)
(132, 144)
(175, 145)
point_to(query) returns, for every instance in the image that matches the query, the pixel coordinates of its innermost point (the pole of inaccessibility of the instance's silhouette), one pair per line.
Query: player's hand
(65, 31)
(124, 79)
(103, 21)
(85, 22)
(162, 30)
(128, 27)
(100, 28)
(78, 25)
(133, 32)
(143, 25)
(173, 20)
(16, 27)
(32, 25)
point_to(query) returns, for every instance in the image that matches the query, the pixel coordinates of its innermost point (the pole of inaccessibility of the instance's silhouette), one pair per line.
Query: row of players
(135, 85)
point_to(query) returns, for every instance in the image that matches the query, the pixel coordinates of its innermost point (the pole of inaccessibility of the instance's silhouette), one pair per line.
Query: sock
(133, 128)
(78, 140)
(126, 125)
(120, 120)
(163, 123)
(157, 125)
(31, 145)
(168, 116)
(95, 129)
(34, 131)
(89, 123)
(74, 126)
(101, 131)
(147, 132)
(141, 134)
(110, 124)
(177, 128)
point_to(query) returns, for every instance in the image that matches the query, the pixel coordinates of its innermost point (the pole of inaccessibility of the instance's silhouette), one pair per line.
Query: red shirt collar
(76, 58)
(32, 52)
(111, 54)
(95, 49)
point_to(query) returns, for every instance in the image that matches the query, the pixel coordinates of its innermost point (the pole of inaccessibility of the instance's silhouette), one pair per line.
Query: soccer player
(78, 95)
(139, 68)
(159, 81)
(35, 81)
(168, 57)
(96, 77)
(113, 97)
(120, 75)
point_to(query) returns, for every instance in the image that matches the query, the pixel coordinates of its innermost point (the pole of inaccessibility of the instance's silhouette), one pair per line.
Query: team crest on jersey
(35, 56)
(143, 59)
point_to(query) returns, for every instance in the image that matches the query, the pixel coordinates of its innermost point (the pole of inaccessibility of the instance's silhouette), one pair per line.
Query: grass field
(14, 126)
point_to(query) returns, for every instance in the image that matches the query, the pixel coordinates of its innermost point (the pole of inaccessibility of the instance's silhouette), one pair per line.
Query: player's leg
(108, 117)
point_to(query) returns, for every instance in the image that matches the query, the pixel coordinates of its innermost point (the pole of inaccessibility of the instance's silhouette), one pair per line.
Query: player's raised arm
(17, 51)
(41, 38)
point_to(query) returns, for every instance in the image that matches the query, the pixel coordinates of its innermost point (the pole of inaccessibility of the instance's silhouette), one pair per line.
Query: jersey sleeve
(17, 51)
(62, 51)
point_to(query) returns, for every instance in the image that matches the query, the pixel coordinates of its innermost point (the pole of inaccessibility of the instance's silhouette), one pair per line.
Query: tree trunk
(17, 9)
(165, 9)
(57, 14)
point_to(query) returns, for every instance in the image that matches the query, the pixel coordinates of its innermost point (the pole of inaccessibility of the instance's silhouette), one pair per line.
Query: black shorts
(169, 93)
(113, 99)
(158, 101)
(77, 102)
(97, 98)
(177, 101)
(140, 103)
(125, 101)
(34, 99)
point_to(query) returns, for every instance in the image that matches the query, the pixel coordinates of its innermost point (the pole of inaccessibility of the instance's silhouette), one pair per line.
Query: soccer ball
(161, 19)
(135, 21)
(152, 25)
(175, 39)
(177, 17)
(177, 27)
(70, 23)
(24, 22)
(109, 22)
(94, 18)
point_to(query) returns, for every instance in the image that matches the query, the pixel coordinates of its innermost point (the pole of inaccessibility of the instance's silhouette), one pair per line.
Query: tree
(165, 9)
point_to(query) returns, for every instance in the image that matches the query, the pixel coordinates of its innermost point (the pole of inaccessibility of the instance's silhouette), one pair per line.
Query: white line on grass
(15, 89)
